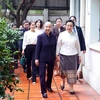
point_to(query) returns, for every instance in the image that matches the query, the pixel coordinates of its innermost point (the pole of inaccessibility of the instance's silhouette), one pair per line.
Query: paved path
(32, 91)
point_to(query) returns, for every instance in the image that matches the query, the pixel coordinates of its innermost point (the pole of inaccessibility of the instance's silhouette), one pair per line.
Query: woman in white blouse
(39, 29)
(67, 53)
(29, 44)
(39, 26)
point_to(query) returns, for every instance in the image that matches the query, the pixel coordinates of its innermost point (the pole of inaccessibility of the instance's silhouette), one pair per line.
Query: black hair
(31, 22)
(58, 18)
(71, 17)
(25, 21)
(41, 23)
(71, 22)
(14, 25)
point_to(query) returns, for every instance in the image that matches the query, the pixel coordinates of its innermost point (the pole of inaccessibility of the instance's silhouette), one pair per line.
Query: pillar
(72, 7)
(77, 11)
(45, 13)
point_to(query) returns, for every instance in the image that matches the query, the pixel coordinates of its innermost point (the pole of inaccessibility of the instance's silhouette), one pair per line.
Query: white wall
(91, 70)
(52, 18)
(91, 73)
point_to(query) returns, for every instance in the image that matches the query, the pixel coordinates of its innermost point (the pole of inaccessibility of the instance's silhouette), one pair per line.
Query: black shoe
(44, 95)
(49, 89)
(62, 87)
(72, 93)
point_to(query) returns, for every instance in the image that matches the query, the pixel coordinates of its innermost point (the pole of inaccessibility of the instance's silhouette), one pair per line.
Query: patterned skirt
(68, 68)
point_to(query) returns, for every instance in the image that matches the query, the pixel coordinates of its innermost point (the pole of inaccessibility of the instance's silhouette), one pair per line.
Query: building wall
(91, 68)
(90, 22)
(52, 15)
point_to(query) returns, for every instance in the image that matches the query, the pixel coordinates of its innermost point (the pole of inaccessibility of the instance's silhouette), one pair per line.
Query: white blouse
(68, 44)
(39, 31)
(29, 38)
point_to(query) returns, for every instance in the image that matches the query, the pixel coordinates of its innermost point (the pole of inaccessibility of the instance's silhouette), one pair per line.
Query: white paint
(72, 7)
(91, 70)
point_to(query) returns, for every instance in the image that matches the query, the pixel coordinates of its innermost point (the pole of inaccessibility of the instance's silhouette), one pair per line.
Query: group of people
(46, 47)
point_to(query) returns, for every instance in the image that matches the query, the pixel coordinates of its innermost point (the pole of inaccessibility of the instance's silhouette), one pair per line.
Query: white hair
(47, 23)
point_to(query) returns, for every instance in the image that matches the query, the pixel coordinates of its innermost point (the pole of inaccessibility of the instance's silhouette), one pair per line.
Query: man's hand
(37, 62)
(84, 51)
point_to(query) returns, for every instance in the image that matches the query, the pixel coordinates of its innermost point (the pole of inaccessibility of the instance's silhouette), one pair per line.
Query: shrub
(8, 41)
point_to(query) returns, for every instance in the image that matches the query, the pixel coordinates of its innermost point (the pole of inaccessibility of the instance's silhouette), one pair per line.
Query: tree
(22, 9)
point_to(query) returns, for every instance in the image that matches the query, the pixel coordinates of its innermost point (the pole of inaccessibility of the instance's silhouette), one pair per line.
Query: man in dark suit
(79, 32)
(56, 31)
(22, 31)
(58, 28)
(45, 57)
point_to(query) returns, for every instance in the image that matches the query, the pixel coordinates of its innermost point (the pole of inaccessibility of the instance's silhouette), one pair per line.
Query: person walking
(22, 30)
(45, 57)
(28, 47)
(57, 30)
(78, 31)
(67, 53)
(39, 29)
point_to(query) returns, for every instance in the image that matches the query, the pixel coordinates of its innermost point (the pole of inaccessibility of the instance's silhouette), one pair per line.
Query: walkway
(32, 91)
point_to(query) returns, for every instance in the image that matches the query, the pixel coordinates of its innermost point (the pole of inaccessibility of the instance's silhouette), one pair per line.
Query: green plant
(8, 40)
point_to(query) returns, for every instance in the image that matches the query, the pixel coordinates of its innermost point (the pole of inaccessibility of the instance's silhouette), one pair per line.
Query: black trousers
(30, 56)
(46, 74)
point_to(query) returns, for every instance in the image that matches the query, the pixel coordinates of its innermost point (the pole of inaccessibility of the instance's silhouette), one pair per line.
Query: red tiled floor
(32, 91)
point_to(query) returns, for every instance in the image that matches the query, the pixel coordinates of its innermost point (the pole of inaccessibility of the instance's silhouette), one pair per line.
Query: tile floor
(32, 91)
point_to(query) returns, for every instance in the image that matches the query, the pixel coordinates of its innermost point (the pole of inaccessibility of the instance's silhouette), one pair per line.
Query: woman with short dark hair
(67, 52)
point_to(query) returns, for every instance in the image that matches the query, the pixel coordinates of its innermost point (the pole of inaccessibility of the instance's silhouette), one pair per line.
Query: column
(91, 27)
(82, 20)
(82, 14)
(45, 13)
(77, 11)
(72, 7)
(92, 21)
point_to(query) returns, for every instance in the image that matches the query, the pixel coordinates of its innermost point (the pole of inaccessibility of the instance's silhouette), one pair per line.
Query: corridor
(32, 91)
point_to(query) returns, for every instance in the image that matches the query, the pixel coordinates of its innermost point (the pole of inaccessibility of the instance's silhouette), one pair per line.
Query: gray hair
(47, 23)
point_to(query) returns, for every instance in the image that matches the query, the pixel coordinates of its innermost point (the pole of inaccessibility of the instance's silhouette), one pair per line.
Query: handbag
(23, 60)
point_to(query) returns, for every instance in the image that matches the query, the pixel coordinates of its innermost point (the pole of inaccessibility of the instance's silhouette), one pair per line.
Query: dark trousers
(30, 56)
(78, 66)
(43, 69)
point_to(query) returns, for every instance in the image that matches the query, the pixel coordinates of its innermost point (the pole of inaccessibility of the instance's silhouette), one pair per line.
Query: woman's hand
(22, 52)
(57, 58)
(79, 59)
(37, 62)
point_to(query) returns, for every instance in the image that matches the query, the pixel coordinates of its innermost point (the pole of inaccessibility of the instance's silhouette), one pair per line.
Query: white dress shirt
(29, 38)
(68, 44)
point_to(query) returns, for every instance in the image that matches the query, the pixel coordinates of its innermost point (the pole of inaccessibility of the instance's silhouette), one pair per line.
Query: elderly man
(45, 57)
